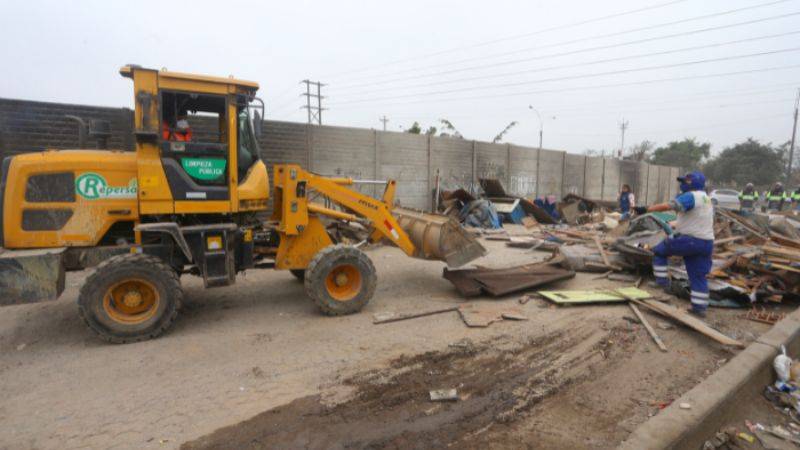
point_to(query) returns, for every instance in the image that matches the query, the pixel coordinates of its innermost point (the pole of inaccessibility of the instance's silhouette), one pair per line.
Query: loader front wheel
(340, 279)
(130, 297)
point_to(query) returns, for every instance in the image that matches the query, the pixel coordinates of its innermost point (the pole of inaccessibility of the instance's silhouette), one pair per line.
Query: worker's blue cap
(694, 179)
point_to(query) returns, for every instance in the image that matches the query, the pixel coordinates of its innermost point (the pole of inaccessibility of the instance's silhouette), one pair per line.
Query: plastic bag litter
(783, 368)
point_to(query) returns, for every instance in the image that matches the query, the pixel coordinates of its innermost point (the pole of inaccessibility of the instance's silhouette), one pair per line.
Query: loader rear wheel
(340, 279)
(130, 298)
(300, 274)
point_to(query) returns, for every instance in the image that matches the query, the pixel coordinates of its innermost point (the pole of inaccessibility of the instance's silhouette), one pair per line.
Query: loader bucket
(438, 237)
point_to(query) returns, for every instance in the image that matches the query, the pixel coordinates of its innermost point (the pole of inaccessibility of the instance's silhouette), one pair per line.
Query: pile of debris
(495, 207)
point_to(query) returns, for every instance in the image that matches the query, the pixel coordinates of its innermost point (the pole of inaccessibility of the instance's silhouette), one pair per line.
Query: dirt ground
(255, 366)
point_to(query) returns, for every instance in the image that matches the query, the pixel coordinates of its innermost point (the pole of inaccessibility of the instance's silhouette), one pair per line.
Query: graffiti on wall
(523, 185)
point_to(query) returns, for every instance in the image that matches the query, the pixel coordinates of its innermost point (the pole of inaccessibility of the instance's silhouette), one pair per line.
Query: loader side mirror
(257, 124)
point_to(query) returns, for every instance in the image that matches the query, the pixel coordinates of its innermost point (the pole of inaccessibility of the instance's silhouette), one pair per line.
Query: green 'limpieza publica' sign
(207, 169)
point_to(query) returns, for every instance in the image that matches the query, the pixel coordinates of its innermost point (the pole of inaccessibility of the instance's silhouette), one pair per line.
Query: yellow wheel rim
(131, 301)
(343, 282)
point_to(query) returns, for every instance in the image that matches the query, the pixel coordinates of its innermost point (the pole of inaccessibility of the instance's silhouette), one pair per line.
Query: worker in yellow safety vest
(748, 198)
(796, 198)
(776, 197)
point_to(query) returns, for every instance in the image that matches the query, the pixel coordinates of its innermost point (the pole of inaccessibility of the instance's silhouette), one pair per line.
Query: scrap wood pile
(756, 258)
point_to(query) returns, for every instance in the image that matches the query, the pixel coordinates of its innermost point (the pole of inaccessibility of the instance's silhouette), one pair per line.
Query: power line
(573, 77)
(694, 98)
(603, 86)
(384, 119)
(588, 63)
(592, 38)
(519, 36)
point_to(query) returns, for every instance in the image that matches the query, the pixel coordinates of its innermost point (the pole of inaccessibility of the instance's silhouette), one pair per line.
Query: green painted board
(593, 296)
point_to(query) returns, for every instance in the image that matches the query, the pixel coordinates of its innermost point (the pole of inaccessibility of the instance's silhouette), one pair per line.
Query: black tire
(321, 277)
(103, 314)
(300, 274)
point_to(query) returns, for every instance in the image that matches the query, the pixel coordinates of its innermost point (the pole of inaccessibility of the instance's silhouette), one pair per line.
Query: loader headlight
(214, 242)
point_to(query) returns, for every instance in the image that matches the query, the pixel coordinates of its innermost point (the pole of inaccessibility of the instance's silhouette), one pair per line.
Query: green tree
(640, 151)
(414, 128)
(500, 135)
(747, 162)
(686, 154)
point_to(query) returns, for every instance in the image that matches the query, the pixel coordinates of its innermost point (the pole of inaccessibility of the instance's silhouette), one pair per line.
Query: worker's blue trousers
(697, 257)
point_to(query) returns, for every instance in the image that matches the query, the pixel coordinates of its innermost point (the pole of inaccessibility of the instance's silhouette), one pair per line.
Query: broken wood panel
(590, 296)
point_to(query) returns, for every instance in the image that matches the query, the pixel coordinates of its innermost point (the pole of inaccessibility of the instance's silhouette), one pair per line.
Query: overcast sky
(672, 69)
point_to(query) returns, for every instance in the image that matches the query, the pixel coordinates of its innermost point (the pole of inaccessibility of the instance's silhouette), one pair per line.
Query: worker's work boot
(701, 313)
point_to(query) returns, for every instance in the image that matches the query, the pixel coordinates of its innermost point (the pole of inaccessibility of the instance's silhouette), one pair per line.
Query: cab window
(194, 134)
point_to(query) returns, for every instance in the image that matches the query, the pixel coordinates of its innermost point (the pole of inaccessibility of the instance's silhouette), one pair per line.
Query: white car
(725, 198)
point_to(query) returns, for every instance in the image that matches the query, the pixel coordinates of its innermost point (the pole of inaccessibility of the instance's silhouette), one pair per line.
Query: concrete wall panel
(594, 178)
(574, 173)
(523, 171)
(453, 158)
(404, 157)
(611, 179)
(551, 169)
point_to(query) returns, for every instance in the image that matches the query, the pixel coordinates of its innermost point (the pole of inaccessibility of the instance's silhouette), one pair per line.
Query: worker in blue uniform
(694, 239)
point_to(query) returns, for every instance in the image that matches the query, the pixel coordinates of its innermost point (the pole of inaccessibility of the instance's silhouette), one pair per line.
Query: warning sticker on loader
(94, 186)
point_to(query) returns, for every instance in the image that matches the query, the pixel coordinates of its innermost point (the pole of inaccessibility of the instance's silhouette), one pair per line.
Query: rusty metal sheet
(498, 282)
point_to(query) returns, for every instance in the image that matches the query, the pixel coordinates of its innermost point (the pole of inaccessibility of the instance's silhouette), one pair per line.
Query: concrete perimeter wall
(415, 161)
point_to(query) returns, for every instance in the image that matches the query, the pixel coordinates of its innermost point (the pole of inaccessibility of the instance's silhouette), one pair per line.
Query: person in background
(795, 196)
(776, 197)
(748, 198)
(694, 239)
(627, 201)
(181, 133)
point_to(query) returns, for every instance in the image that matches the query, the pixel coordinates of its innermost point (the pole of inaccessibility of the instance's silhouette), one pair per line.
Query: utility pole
(384, 119)
(541, 124)
(794, 134)
(314, 112)
(622, 127)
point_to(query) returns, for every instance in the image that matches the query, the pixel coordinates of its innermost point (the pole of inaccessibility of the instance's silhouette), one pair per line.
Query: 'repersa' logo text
(93, 186)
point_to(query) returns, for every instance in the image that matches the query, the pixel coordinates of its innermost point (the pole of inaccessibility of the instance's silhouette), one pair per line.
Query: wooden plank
(728, 240)
(784, 241)
(688, 320)
(601, 250)
(781, 251)
(648, 327)
(394, 317)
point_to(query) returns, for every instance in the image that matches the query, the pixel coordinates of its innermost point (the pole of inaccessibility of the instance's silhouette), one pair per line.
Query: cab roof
(127, 71)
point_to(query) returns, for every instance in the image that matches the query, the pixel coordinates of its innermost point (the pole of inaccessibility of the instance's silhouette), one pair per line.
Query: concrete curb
(715, 400)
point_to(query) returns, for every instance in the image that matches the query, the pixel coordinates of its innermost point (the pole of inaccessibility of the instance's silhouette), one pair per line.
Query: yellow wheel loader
(192, 199)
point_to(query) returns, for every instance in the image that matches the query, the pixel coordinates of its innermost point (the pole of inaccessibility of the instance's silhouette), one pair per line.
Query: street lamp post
(541, 124)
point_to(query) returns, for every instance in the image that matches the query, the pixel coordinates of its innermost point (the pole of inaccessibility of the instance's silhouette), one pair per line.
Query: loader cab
(197, 152)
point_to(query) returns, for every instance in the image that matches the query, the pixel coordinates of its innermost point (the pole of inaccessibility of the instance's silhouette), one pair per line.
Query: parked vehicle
(725, 198)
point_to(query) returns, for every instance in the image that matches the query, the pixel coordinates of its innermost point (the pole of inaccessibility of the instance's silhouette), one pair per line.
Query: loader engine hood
(66, 198)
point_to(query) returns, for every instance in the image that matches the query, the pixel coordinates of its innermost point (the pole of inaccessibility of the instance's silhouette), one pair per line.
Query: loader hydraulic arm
(293, 184)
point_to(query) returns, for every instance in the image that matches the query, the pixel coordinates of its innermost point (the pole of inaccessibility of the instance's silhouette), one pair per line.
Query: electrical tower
(622, 127)
(384, 119)
(314, 112)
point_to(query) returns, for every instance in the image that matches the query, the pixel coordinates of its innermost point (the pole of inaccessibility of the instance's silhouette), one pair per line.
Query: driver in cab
(182, 132)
